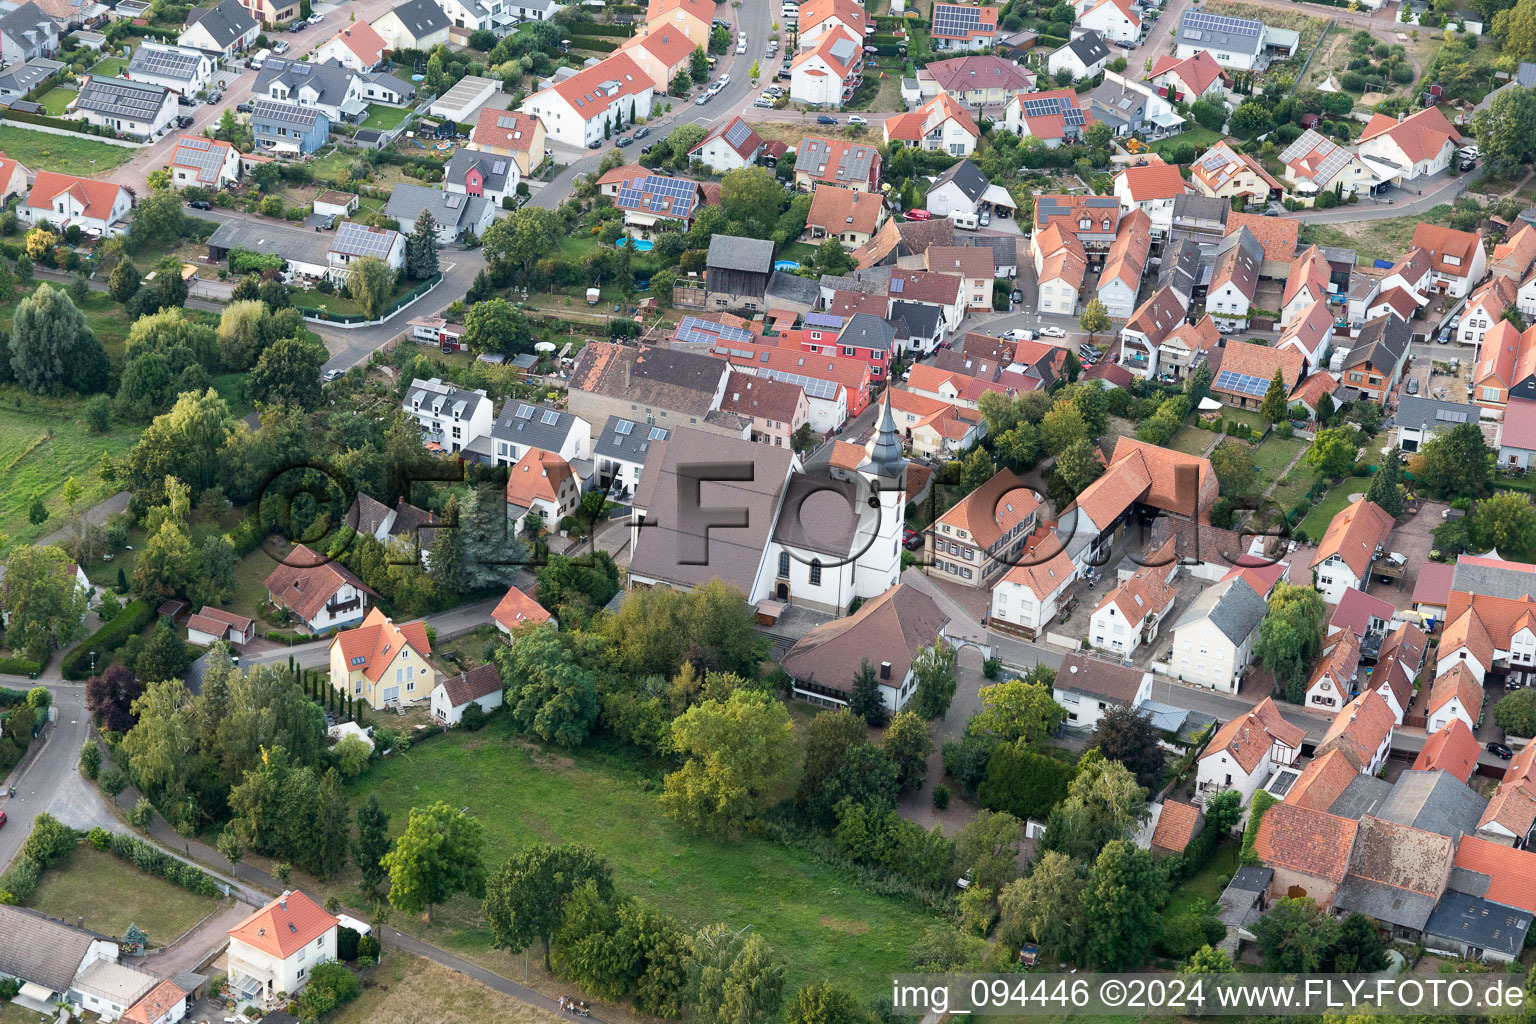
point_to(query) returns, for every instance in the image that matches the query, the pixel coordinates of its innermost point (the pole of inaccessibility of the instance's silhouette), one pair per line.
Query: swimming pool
(785, 265)
(641, 244)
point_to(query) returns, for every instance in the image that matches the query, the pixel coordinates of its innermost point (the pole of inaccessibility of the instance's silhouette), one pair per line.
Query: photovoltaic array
(1242, 383)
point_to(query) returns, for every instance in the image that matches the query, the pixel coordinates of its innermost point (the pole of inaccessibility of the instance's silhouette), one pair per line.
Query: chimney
(885, 670)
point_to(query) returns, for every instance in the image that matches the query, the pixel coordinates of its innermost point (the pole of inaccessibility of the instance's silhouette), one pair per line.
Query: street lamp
(93, 663)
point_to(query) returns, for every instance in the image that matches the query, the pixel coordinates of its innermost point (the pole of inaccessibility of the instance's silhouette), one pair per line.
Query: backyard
(1204, 884)
(1334, 502)
(383, 117)
(1198, 137)
(57, 100)
(813, 913)
(59, 152)
(111, 894)
(409, 990)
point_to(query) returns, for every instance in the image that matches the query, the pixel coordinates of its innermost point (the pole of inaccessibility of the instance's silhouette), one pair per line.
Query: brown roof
(1127, 259)
(516, 608)
(750, 395)
(1111, 494)
(1361, 726)
(1467, 630)
(1043, 578)
(1159, 315)
(1177, 825)
(1513, 256)
(992, 509)
(836, 210)
(1164, 466)
(155, 1004)
(1459, 682)
(965, 260)
(1453, 750)
(1310, 331)
(1278, 235)
(1339, 661)
(372, 646)
(1323, 781)
(1353, 535)
(893, 627)
(1248, 737)
(1308, 270)
(304, 581)
(1441, 242)
(1145, 592)
(1306, 841)
(1311, 391)
(471, 685)
(849, 303)
(1236, 267)
(1401, 856)
(926, 286)
(873, 252)
(1095, 677)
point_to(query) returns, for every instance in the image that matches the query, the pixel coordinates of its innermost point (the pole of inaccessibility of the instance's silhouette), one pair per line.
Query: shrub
(1516, 713)
(368, 947)
(346, 943)
(330, 985)
(1023, 783)
(20, 667)
(992, 667)
(474, 717)
(90, 759)
(129, 622)
(112, 781)
(940, 796)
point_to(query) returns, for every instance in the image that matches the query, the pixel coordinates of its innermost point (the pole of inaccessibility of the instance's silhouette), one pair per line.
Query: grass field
(410, 990)
(1310, 26)
(61, 153)
(383, 117)
(814, 915)
(1198, 137)
(1191, 440)
(1316, 523)
(15, 1013)
(111, 895)
(1275, 454)
(1205, 883)
(110, 66)
(1373, 239)
(56, 100)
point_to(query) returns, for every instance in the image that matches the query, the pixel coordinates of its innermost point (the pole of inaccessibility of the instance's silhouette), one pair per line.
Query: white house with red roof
(978, 82)
(1053, 117)
(1457, 260)
(1028, 597)
(662, 54)
(273, 952)
(516, 610)
(1116, 20)
(1196, 77)
(963, 26)
(1411, 147)
(207, 163)
(817, 18)
(542, 483)
(96, 207)
(574, 111)
(1151, 188)
(828, 74)
(357, 46)
(729, 146)
(13, 178)
(939, 126)
(1245, 752)
(1131, 613)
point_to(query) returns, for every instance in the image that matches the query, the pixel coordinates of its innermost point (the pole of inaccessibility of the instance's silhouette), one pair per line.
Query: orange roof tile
(1323, 781)
(516, 608)
(1145, 592)
(1361, 726)
(1248, 737)
(993, 509)
(814, 12)
(156, 1003)
(1308, 270)
(505, 129)
(666, 43)
(1457, 683)
(537, 476)
(97, 197)
(1197, 72)
(1167, 488)
(1514, 256)
(1310, 842)
(1453, 750)
(1496, 358)
(1046, 577)
(1441, 242)
(364, 42)
(915, 124)
(1511, 872)
(1153, 181)
(1248, 359)
(374, 645)
(304, 581)
(586, 85)
(1421, 136)
(836, 210)
(1353, 535)
(1467, 630)
(284, 926)
(1176, 826)
(1278, 235)
(1127, 259)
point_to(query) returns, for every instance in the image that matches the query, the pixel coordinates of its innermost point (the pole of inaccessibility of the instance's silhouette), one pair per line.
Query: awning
(1383, 171)
(37, 993)
(1167, 119)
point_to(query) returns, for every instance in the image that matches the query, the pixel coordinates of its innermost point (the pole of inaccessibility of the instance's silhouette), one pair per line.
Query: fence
(32, 123)
(348, 321)
(1061, 640)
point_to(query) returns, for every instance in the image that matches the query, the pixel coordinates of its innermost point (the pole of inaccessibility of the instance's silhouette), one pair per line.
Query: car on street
(1500, 751)
(705, 98)
(183, 122)
(199, 204)
(642, 132)
(1019, 334)
(1050, 331)
(1016, 296)
(625, 140)
(3, 819)
(919, 215)
(332, 375)
(298, 26)
(595, 144)
(911, 540)
(215, 96)
(316, 18)
(244, 108)
(858, 119)
(741, 47)
(825, 119)
(281, 46)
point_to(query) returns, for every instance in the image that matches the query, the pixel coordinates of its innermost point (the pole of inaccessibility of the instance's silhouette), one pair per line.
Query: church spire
(885, 459)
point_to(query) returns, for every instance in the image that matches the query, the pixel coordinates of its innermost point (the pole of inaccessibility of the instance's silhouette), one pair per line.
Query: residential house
(471, 173)
(288, 129)
(353, 241)
(1315, 164)
(1457, 695)
(1517, 434)
(583, 108)
(893, 627)
(1199, 220)
(307, 252)
(27, 32)
(1115, 20)
(776, 408)
(1278, 235)
(1232, 42)
(19, 79)
(1309, 334)
(1129, 106)
(181, 69)
(226, 29)
(273, 951)
(1082, 57)
(1410, 147)
(983, 534)
(1516, 255)
(1245, 752)
(1489, 616)
(1186, 346)
(1246, 370)
(980, 83)
(1028, 596)
(934, 428)
(963, 189)
(820, 161)
(1061, 263)
(941, 125)
(450, 418)
(1308, 850)
(138, 110)
(1213, 640)
(1469, 926)
(521, 426)
(453, 695)
(1054, 117)
(330, 88)
(729, 146)
(850, 217)
(413, 25)
(404, 526)
(1307, 283)
(1457, 259)
(1503, 354)
(1363, 729)
(207, 163)
(211, 625)
(1344, 555)
(321, 593)
(1234, 280)
(945, 292)
(662, 55)
(1398, 663)
(457, 216)
(691, 17)
(272, 13)
(1124, 266)
(973, 265)
(382, 663)
(516, 610)
(1142, 336)
(1223, 173)
(737, 271)
(621, 450)
(544, 485)
(1364, 615)
(358, 46)
(1333, 680)
(1511, 813)
(1151, 188)
(510, 133)
(653, 202)
(827, 74)
(166, 1003)
(1132, 613)
(99, 208)
(1486, 307)
(1187, 79)
(821, 18)
(1374, 364)
(1418, 419)
(1093, 220)
(865, 336)
(1141, 478)
(661, 387)
(54, 962)
(1451, 749)
(1087, 687)
(963, 27)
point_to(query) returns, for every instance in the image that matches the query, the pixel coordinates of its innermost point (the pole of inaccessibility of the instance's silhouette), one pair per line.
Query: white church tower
(878, 568)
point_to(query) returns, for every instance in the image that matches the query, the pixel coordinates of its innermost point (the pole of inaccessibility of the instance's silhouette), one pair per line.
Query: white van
(964, 221)
(259, 58)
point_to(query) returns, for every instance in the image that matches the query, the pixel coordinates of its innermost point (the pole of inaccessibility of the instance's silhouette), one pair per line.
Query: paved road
(1417, 198)
(46, 780)
(449, 624)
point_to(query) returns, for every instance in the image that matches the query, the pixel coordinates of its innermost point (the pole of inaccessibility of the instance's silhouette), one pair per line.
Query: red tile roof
(1511, 872)
(835, 210)
(586, 86)
(1244, 357)
(1360, 727)
(1153, 181)
(750, 395)
(666, 43)
(1043, 578)
(537, 476)
(1441, 242)
(1197, 73)
(1306, 841)
(304, 581)
(749, 145)
(1453, 750)
(1248, 737)
(366, 43)
(992, 509)
(472, 685)
(96, 197)
(814, 12)
(1458, 683)
(372, 646)
(987, 25)
(1434, 584)
(1145, 592)
(516, 609)
(1323, 780)
(1054, 126)
(1278, 235)
(1176, 826)
(156, 1003)
(1420, 137)
(284, 926)
(1353, 535)
(1309, 270)
(504, 129)
(1127, 259)
(913, 125)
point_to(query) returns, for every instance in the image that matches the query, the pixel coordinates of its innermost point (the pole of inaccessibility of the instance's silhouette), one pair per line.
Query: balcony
(336, 609)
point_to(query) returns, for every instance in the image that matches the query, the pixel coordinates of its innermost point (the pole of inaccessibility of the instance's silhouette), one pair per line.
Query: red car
(919, 215)
(2, 819)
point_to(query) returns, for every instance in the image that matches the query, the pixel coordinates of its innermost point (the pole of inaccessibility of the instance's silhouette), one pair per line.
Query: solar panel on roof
(1243, 383)
(1221, 23)
(1450, 415)
(814, 387)
(452, 201)
(361, 240)
(706, 332)
(623, 427)
(955, 21)
(737, 133)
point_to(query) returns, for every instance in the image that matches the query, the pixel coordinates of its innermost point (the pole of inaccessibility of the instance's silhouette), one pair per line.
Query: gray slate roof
(868, 331)
(28, 24)
(1435, 802)
(1181, 267)
(1402, 907)
(728, 252)
(793, 288)
(330, 80)
(442, 397)
(1431, 413)
(1479, 922)
(180, 63)
(449, 209)
(537, 426)
(25, 77)
(39, 949)
(1194, 206)
(421, 17)
(1384, 341)
(1491, 581)
(1363, 795)
(1232, 607)
(966, 176)
(494, 170)
(631, 445)
(119, 97)
(917, 319)
(1005, 248)
(225, 23)
(1252, 879)
(1089, 48)
(274, 239)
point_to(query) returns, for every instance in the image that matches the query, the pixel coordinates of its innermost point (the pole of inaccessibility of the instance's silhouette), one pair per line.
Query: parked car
(1413, 385)
(215, 97)
(858, 119)
(723, 81)
(825, 119)
(244, 108)
(3, 819)
(596, 144)
(911, 540)
(200, 204)
(919, 215)
(642, 132)
(763, 101)
(625, 140)
(741, 47)
(332, 375)
(186, 101)
(984, 218)
(316, 18)
(1498, 750)
(705, 98)
(183, 122)
(1050, 331)
(1019, 333)
(298, 26)
(281, 46)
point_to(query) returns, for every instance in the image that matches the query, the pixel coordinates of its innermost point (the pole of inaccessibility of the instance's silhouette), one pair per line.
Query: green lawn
(1191, 440)
(56, 100)
(112, 894)
(110, 66)
(1198, 137)
(61, 153)
(1275, 454)
(1205, 883)
(815, 915)
(1334, 502)
(15, 1013)
(383, 117)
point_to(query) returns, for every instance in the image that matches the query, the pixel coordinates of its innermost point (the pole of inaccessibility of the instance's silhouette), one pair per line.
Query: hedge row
(1055, 41)
(128, 622)
(19, 667)
(152, 861)
(246, 537)
(592, 28)
(10, 698)
(593, 43)
(73, 127)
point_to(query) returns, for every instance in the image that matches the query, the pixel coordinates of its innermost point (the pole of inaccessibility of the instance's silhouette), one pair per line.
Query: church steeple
(885, 458)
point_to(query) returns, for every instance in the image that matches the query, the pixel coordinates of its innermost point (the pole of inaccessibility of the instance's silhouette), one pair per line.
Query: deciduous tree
(1124, 889)
(437, 856)
(371, 283)
(934, 669)
(44, 602)
(1104, 803)
(1095, 318)
(1020, 710)
(1046, 906)
(988, 847)
(52, 348)
(740, 761)
(908, 745)
(525, 898)
(1333, 451)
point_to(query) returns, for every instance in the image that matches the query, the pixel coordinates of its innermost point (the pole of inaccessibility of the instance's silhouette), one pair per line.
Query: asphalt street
(46, 780)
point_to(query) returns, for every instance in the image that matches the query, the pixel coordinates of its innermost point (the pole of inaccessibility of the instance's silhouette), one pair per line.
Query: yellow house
(383, 663)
